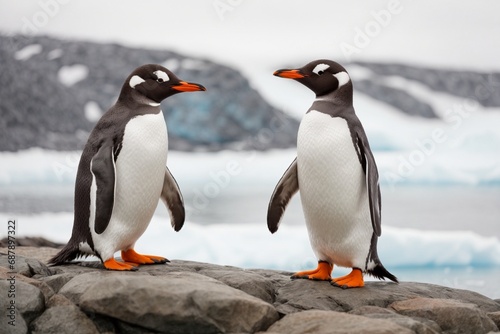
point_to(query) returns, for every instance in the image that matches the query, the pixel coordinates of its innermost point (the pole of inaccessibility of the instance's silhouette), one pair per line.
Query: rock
(451, 315)
(26, 266)
(419, 326)
(395, 97)
(192, 297)
(58, 300)
(63, 319)
(27, 299)
(56, 282)
(329, 322)
(19, 327)
(299, 295)
(178, 302)
(79, 284)
(495, 316)
(251, 283)
(230, 114)
(479, 86)
(31, 242)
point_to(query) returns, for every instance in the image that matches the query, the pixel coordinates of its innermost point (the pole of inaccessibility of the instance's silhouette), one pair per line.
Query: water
(436, 233)
(421, 240)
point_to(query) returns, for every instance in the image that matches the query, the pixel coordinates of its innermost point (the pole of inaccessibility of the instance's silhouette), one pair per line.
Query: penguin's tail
(70, 252)
(380, 272)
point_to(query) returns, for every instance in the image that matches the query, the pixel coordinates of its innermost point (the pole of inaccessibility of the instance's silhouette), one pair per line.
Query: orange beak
(184, 86)
(290, 74)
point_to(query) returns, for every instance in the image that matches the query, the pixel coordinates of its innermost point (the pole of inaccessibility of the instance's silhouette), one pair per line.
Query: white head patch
(161, 75)
(342, 77)
(320, 67)
(135, 80)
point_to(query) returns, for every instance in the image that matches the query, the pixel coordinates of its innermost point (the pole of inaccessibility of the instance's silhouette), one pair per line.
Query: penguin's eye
(162, 76)
(320, 68)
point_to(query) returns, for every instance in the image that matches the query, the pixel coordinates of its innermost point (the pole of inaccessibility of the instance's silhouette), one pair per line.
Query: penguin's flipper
(172, 197)
(103, 168)
(287, 186)
(372, 184)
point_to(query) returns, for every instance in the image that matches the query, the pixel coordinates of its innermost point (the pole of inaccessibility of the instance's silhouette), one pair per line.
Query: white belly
(333, 191)
(140, 170)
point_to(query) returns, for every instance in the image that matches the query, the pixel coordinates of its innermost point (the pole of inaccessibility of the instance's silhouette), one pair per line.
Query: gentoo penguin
(338, 180)
(122, 173)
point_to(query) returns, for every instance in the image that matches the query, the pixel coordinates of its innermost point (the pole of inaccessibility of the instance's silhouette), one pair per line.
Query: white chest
(140, 166)
(332, 188)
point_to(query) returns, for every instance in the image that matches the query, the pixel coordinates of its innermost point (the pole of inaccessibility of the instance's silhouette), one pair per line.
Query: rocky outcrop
(192, 297)
(55, 90)
(482, 87)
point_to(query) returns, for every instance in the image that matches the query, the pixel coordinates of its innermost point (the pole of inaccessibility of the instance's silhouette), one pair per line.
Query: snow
(27, 52)
(92, 111)
(54, 54)
(70, 75)
(192, 64)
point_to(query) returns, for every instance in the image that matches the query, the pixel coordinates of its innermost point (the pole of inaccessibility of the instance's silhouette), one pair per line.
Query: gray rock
(329, 322)
(83, 282)
(482, 87)
(186, 296)
(177, 303)
(28, 267)
(495, 316)
(63, 319)
(18, 327)
(31, 242)
(299, 295)
(452, 316)
(229, 114)
(397, 98)
(251, 283)
(58, 300)
(56, 282)
(417, 325)
(28, 300)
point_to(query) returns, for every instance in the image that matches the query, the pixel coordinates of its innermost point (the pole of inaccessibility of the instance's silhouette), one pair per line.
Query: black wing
(372, 184)
(285, 189)
(172, 197)
(102, 167)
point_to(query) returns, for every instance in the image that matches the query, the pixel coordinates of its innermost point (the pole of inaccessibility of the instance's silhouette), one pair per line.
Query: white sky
(262, 35)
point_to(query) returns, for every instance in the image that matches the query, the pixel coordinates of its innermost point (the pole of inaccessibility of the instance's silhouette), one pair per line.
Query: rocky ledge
(192, 297)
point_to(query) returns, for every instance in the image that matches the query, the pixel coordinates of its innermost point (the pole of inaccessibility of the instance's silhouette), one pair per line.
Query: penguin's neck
(342, 95)
(134, 97)
(334, 102)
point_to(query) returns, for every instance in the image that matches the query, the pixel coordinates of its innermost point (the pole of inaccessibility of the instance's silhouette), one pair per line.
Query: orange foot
(112, 264)
(130, 256)
(322, 273)
(353, 280)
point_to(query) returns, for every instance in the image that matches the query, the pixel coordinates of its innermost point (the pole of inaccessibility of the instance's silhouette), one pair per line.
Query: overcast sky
(268, 33)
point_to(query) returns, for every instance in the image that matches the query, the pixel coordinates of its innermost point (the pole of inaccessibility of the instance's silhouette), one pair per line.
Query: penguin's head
(321, 76)
(156, 83)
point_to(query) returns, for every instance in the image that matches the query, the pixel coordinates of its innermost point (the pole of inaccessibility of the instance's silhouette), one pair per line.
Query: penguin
(338, 180)
(122, 174)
